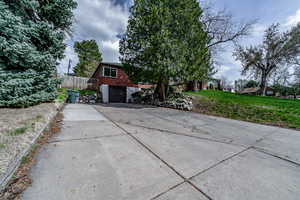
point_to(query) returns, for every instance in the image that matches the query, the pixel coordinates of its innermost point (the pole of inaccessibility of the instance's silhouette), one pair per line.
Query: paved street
(122, 151)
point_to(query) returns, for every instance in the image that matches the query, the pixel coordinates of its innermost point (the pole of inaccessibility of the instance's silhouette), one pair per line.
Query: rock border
(15, 164)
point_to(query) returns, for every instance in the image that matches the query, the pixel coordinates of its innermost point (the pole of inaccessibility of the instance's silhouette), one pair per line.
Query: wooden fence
(73, 82)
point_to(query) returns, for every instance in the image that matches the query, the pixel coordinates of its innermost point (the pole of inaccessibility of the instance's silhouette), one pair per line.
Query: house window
(110, 72)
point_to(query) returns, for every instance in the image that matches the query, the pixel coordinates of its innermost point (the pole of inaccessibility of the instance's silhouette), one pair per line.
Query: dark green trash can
(73, 96)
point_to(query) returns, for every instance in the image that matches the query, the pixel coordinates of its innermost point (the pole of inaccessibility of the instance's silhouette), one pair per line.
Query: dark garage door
(117, 94)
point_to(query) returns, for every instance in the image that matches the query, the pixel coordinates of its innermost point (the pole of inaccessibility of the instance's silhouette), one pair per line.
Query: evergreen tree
(31, 42)
(164, 42)
(89, 57)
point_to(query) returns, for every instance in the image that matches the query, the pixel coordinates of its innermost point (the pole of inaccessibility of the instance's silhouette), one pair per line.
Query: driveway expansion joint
(170, 189)
(244, 149)
(274, 155)
(231, 142)
(261, 150)
(183, 124)
(158, 157)
(85, 139)
(220, 162)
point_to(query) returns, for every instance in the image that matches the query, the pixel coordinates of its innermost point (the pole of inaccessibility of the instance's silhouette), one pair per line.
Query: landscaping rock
(176, 100)
(88, 99)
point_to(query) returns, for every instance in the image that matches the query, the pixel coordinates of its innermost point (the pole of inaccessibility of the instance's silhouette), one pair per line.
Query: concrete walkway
(122, 151)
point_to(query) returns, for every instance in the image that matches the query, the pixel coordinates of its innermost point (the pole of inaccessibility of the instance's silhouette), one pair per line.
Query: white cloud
(111, 44)
(101, 20)
(258, 30)
(229, 68)
(294, 19)
(111, 52)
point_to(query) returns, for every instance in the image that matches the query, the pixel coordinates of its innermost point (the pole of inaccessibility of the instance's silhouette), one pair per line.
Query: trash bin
(77, 95)
(73, 96)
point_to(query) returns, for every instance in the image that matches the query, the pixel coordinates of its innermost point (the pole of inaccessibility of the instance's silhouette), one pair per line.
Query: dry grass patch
(21, 180)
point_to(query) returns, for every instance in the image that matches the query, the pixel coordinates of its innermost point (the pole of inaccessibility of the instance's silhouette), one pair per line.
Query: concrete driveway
(121, 151)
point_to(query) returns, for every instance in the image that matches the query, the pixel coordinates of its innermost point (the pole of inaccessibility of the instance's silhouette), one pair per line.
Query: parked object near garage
(114, 84)
(73, 96)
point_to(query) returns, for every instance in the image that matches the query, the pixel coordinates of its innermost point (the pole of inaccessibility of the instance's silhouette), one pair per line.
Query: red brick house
(114, 84)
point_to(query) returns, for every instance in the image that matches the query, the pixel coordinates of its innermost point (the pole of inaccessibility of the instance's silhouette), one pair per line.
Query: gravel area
(18, 130)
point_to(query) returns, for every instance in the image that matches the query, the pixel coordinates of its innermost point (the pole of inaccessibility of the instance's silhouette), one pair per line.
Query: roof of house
(112, 64)
(119, 65)
(253, 90)
(250, 90)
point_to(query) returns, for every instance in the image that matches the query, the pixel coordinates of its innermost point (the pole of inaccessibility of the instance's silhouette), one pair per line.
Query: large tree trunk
(263, 84)
(161, 90)
(295, 94)
(195, 86)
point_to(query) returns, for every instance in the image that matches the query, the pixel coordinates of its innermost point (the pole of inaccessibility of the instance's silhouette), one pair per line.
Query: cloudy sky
(104, 20)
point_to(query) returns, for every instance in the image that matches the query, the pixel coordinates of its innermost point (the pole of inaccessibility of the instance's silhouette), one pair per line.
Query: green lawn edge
(265, 110)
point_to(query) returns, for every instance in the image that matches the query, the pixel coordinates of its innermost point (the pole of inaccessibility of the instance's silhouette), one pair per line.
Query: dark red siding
(121, 80)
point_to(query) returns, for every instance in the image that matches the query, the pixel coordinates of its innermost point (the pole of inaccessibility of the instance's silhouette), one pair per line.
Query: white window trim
(110, 69)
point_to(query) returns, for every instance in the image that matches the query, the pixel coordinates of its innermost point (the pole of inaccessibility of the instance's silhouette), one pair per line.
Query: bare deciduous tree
(222, 28)
(281, 76)
(297, 75)
(278, 51)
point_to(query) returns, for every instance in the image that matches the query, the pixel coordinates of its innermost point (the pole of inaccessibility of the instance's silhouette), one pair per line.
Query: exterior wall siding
(121, 79)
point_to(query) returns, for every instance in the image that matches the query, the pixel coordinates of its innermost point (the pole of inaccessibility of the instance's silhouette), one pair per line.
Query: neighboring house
(114, 84)
(239, 85)
(258, 91)
(229, 89)
(213, 84)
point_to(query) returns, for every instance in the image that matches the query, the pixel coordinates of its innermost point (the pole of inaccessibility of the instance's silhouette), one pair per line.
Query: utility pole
(69, 67)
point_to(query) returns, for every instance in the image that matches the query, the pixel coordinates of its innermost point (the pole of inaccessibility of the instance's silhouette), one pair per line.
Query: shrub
(32, 37)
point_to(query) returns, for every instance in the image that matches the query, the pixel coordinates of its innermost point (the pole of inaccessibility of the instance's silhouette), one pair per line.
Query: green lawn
(266, 110)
